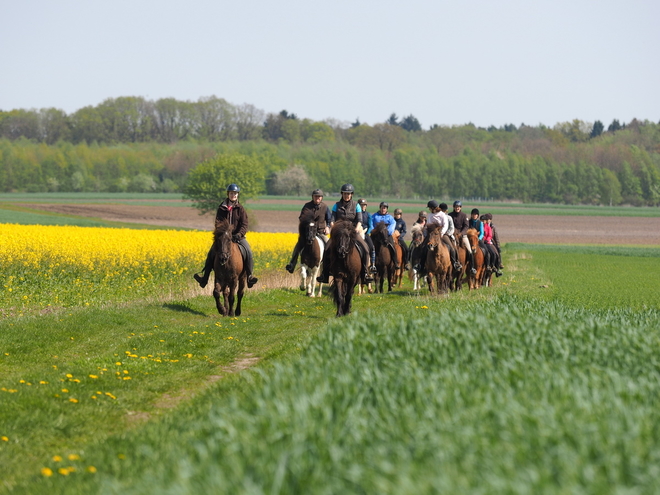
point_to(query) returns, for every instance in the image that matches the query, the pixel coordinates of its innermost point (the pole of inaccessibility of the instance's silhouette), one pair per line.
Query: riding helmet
(443, 206)
(475, 211)
(432, 204)
(422, 214)
(458, 203)
(383, 203)
(317, 192)
(233, 188)
(398, 211)
(362, 201)
(347, 188)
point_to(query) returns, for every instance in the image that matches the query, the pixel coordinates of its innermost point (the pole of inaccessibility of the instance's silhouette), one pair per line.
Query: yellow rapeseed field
(65, 266)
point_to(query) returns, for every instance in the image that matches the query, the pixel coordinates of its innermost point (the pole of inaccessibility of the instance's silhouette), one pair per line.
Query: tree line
(132, 144)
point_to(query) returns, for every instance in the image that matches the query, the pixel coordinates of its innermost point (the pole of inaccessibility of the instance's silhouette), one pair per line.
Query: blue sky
(445, 62)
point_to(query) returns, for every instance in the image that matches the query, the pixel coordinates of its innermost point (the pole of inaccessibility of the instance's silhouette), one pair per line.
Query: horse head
(222, 240)
(434, 238)
(473, 238)
(417, 237)
(379, 234)
(307, 229)
(343, 236)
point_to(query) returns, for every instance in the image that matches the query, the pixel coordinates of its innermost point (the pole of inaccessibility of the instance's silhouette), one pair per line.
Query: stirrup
(474, 271)
(201, 280)
(290, 267)
(322, 279)
(251, 281)
(373, 269)
(368, 279)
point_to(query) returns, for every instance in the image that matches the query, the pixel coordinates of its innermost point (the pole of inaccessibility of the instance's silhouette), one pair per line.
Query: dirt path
(511, 228)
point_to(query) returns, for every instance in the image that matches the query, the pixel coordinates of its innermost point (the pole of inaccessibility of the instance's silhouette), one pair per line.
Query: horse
(474, 281)
(438, 262)
(229, 269)
(385, 263)
(344, 263)
(397, 279)
(310, 256)
(416, 251)
(457, 276)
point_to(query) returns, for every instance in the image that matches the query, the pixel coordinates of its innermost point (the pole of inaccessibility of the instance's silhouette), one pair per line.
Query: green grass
(546, 383)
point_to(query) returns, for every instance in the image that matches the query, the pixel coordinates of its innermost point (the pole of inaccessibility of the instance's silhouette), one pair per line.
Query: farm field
(547, 382)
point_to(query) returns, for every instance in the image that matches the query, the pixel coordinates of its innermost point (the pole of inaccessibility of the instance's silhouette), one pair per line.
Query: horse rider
(494, 262)
(382, 216)
(421, 218)
(436, 217)
(319, 213)
(347, 209)
(234, 212)
(449, 239)
(439, 217)
(461, 226)
(496, 238)
(477, 224)
(402, 229)
(367, 227)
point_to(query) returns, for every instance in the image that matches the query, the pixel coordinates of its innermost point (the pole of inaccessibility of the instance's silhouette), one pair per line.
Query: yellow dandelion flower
(63, 471)
(57, 458)
(73, 457)
(69, 375)
(46, 471)
(71, 399)
(91, 469)
(4, 438)
(93, 376)
(65, 390)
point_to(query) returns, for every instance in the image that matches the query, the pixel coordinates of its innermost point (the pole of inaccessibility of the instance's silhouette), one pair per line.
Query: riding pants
(249, 259)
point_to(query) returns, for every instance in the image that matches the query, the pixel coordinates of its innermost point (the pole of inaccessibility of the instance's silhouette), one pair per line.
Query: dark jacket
(319, 213)
(346, 210)
(401, 226)
(236, 216)
(461, 222)
(496, 238)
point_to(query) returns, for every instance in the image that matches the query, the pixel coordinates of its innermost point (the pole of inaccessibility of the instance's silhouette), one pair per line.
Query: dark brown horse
(397, 280)
(385, 263)
(230, 275)
(457, 276)
(416, 250)
(310, 256)
(438, 262)
(344, 264)
(475, 281)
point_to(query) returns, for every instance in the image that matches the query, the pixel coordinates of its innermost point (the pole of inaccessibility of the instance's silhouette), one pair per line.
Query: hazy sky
(445, 62)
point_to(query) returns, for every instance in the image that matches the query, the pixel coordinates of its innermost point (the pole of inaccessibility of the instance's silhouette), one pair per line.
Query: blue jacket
(377, 218)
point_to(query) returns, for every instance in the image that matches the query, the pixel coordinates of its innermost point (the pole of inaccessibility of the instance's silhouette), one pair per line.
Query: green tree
(597, 129)
(411, 124)
(610, 188)
(207, 182)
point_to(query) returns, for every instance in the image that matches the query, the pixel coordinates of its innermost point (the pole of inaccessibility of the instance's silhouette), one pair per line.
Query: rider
(347, 209)
(401, 227)
(488, 241)
(461, 226)
(367, 227)
(317, 211)
(437, 217)
(496, 238)
(384, 217)
(449, 239)
(421, 218)
(234, 212)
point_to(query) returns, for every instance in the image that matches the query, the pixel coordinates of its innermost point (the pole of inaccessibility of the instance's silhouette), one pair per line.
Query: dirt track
(511, 228)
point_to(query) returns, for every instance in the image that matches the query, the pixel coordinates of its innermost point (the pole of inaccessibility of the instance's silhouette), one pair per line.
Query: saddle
(243, 251)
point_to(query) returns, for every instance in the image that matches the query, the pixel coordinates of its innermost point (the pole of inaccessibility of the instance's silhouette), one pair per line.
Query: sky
(446, 62)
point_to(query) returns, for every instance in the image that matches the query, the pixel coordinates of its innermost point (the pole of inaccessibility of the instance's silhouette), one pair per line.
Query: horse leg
(229, 300)
(239, 298)
(303, 277)
(216, 294)
(339, 296)
(314, 271)
(348, 299)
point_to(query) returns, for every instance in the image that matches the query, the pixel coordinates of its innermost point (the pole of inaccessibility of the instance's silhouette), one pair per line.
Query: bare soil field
(540, 229)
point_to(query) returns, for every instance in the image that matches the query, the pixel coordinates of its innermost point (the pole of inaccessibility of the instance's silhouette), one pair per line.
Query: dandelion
(57, 458)
(63, 471)
(91, 469)
(65, 390)
(4, 438)
(73, 457)
(71, 399)
(93, 376)
(46, 471)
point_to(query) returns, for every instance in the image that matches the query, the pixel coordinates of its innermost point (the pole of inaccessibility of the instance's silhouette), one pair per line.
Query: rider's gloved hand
(236, 238)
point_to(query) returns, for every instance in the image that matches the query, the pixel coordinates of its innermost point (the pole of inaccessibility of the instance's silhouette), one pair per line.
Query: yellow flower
(73, 457)
(46, 471)
(63, 471)
(57, 458)
(66, 391)
(91, 469)
(71, 399)
(4, 438)
(93, 376)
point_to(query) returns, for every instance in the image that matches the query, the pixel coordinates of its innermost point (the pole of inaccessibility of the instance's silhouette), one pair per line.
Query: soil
(511, 228)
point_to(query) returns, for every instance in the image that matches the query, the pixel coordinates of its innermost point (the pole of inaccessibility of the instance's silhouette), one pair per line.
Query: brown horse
(416, 250)
(310, 256)
(344, 264)
(474, 281)
(385, 263)
(230, 275)
(438, 262)
(397, 279)
(457, 276)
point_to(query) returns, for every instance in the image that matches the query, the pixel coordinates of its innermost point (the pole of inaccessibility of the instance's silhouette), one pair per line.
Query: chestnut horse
(438, 262)
(310, 256)
(230, 274)
(397, 280)
(474, 281)
(385, 264)
(416, 250)
(344, 264)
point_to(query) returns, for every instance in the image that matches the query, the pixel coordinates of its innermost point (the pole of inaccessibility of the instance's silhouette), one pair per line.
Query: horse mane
(416, 228)
(472, 233)
(432, 228)
(343, 228)
(221, 228)
(380, 228)
(305, 220)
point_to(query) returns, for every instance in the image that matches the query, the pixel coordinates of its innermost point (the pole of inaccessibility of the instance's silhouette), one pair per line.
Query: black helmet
(317, 192)
(233, 188)
(432, 204)
(348, 188)
(458, 203)
(443, 206)
(475, 211)
(398, 211)
(383, 203)
(362, 201)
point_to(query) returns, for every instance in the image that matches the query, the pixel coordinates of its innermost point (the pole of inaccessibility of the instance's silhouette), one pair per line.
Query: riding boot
(454, 259)
(471, 257)
(405, 254)
(249, 263)
(294, 259)
(394, 256)
(208, 267)
(373, 268)
(324, 278)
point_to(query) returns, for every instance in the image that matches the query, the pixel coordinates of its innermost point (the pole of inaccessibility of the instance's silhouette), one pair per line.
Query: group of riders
(454, 226)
